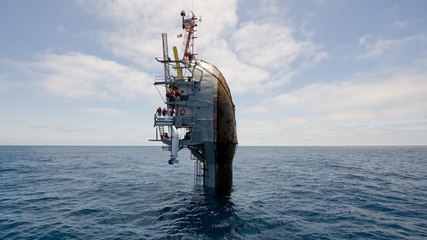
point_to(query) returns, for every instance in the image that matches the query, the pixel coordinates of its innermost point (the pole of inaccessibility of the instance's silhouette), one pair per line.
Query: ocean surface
(278, 193)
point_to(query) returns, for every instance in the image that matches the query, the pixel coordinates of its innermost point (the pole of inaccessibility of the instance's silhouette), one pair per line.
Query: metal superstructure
(198, 112)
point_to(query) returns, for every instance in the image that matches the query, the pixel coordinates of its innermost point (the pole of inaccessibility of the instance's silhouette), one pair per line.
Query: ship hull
(220, 151)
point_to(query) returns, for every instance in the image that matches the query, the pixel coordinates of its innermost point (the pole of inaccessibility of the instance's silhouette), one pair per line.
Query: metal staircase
(162, 132)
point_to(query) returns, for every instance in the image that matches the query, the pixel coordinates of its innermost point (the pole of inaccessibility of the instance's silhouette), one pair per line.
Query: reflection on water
(202, 214)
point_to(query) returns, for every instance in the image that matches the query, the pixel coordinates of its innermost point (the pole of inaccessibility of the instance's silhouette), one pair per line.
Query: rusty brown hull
(225, 134)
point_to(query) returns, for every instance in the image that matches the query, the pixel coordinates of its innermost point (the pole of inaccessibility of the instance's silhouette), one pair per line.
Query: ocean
(278, 193)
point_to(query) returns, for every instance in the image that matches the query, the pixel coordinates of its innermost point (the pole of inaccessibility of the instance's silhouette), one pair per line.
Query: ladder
(161, 132)
(165, 55)
(198, 170)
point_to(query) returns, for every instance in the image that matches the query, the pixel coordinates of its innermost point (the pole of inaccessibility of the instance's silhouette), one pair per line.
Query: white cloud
(248, 52)
(259, 46)
(137, 25)
(78, 75)
(101, 111)
(307, 134)
(266, 45)
(369, 110)
(266, 7)
(7, 82)
(70, 133)
(4, 84)
(375, 96)
(241, 77)
(375, 47)
(269, 51)
(400, 24)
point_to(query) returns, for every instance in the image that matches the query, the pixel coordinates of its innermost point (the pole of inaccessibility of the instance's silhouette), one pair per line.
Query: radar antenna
(189, 24)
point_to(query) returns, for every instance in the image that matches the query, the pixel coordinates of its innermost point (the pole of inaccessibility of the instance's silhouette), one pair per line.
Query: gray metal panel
(205, 109)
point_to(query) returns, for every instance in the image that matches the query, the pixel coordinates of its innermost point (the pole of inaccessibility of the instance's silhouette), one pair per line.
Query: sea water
(278, 193)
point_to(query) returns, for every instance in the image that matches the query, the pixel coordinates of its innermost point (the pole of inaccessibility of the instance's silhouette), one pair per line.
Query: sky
(302, 73)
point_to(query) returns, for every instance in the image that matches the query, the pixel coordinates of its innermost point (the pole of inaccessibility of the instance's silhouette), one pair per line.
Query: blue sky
(313, 72)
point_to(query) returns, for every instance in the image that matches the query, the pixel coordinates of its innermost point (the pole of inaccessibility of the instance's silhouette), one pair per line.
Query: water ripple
(278, 193)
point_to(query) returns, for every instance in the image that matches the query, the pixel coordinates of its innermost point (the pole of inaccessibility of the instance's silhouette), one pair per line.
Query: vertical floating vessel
(199, 113)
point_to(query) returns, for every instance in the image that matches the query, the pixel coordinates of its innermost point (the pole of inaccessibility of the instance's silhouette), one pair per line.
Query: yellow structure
(178, 67)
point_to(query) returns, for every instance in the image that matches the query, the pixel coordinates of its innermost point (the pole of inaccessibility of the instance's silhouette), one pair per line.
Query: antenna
(189, 24)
